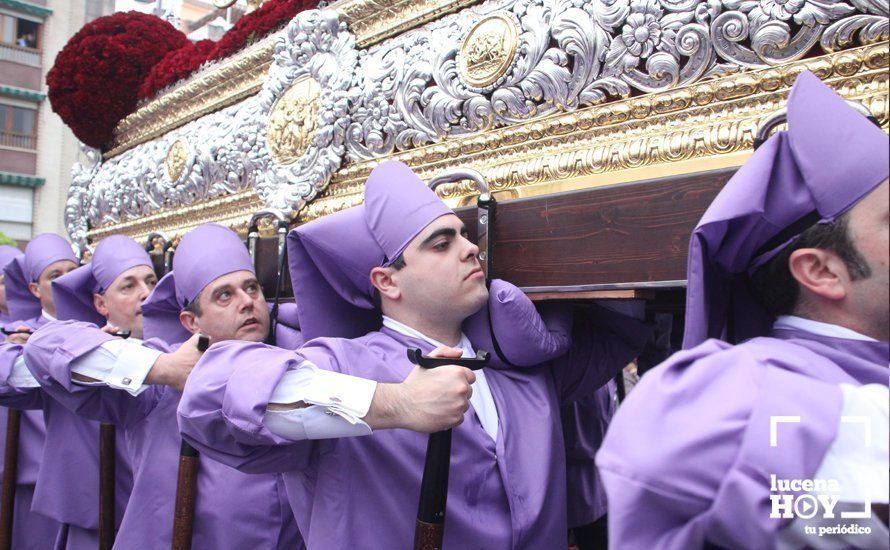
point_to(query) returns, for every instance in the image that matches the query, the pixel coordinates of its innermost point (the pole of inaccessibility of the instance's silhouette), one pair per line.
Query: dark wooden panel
(636, 232)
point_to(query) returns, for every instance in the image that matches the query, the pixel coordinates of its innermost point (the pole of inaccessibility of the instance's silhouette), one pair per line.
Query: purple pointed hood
(43, 250)
(829, 159)
(398, 206)
(331, 258)
(7, 254)
(203, 255)
(73, 292)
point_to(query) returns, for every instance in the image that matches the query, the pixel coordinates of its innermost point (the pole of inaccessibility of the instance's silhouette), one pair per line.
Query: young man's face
(43, 290)
(869, 229)
(442, 276)
(232, 308)
(121, 303)
(3, 307)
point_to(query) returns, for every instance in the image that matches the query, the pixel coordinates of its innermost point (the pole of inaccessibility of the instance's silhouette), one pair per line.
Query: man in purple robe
(136, 384)
(402, 260)
(68, 443)
(770, 429)
(30, 530)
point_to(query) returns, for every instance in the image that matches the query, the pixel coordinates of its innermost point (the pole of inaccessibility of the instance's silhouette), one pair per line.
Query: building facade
(36, 149)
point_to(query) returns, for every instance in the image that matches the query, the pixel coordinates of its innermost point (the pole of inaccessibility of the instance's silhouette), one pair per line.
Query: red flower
(175, 66)
(271, 16)
(95, 79)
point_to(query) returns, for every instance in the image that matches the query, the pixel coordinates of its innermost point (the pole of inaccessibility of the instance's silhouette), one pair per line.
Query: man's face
(121, 303)
(43, 290)
(3, 306)
(232, 308)
(869, 227)
(442, 276)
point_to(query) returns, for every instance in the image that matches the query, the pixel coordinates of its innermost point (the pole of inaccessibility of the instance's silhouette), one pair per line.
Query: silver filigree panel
(408, 92)
(575, 53)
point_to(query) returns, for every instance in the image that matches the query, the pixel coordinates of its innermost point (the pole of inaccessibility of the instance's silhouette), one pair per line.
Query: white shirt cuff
(119, 364)
(332, 398)
(21, 377)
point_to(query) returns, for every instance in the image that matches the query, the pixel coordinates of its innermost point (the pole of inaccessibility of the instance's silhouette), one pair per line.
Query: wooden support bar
(636, 233)
(629, 294)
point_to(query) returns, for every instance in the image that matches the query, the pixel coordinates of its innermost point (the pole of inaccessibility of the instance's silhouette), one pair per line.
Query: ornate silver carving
(574, 53)
(407, 91)
(227, 150)
(316, 45)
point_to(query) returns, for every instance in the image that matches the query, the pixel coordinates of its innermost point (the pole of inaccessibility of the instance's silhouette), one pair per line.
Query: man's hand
(22, 333)
(173, 369)
(428, 400)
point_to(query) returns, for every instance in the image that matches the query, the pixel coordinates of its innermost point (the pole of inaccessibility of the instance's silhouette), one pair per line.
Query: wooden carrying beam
(609, 242)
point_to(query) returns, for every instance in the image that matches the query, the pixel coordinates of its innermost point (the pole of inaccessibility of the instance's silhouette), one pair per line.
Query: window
(17, 125)
(19, 32)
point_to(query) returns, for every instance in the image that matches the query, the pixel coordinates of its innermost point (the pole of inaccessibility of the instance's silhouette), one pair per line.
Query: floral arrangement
(175, 66)
(270, 17)
(96, 77)
(116, 61)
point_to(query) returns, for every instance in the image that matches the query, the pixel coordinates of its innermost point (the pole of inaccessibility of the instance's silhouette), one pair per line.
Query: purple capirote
(203, 255)
(73, 292)
(43, 250)
(794, 175)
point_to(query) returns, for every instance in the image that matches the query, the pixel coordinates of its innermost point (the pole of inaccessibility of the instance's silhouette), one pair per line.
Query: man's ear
(820, 272)
(386, 285)
(190, 321)
(35, 289)
(99, 304)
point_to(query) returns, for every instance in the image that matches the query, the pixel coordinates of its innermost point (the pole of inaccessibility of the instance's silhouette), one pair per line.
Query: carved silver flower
(808, 13)
(641, 33)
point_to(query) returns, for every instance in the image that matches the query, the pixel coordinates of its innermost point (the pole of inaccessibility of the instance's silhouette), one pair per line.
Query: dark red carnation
(270, 17)
(175, 66)
(95, 79)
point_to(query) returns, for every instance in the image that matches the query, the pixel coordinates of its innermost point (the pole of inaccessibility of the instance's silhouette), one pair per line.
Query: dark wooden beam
(617, 235)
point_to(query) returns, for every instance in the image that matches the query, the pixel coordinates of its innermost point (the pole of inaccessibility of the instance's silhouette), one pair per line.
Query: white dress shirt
(337, 402)
(819, 328)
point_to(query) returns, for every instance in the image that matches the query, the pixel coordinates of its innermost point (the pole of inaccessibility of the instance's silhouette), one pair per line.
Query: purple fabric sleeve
(525, 336)
(224, 401)
(603, 343)
(687, 459)
(11, 396)
(49, 355)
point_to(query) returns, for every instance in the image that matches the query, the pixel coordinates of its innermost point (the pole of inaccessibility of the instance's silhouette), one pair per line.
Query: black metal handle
(429, 529)
(472, 363)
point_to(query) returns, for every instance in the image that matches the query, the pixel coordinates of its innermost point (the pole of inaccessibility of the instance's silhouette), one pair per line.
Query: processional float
(600, 129)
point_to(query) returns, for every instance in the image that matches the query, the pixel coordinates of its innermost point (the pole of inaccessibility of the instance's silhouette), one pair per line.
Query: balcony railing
(14, 139)
(18, 54)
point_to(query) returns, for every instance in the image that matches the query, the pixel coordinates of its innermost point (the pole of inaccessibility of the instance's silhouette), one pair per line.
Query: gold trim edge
(700, 127)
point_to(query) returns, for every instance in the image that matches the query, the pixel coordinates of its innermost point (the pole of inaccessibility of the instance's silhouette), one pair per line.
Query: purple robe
(362, 492)
(67, 487)
(233, 510)
(30, 530)
(688, 457)
(584, 425)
